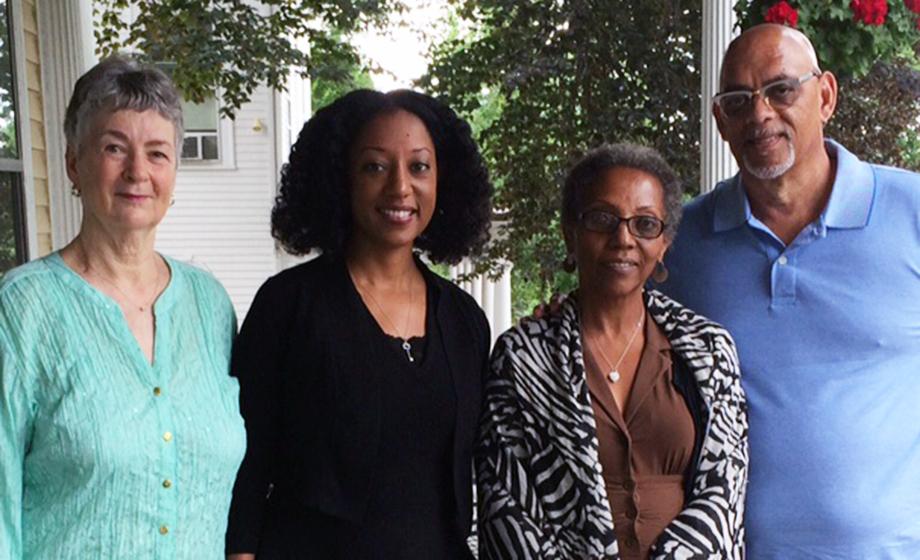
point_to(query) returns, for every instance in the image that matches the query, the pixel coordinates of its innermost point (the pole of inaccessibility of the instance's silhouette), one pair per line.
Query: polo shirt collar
(854, 189)
(731, 205)
(848, 207)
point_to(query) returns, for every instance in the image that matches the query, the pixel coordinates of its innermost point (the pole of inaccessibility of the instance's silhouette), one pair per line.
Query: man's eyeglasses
(778, 95)
(602, 221)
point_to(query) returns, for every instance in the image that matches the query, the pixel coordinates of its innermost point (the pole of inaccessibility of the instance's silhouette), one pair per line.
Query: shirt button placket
(165, 472)
(783, 278)
(632, 509)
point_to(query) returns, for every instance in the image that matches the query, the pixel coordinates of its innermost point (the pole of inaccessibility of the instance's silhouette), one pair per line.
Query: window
(12, 210)
(208, 140)
(202, 131)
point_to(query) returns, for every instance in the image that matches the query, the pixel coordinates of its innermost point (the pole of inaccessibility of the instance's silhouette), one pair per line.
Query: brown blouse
(644, 452)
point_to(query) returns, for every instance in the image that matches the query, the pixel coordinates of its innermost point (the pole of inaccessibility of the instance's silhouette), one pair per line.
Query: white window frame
(226, 148)
(200, 136)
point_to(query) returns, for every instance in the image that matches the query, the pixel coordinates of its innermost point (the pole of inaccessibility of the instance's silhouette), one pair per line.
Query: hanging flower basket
(850, 36)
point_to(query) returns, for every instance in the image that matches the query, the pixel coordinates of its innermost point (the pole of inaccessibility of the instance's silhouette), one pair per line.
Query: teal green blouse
(103, 455)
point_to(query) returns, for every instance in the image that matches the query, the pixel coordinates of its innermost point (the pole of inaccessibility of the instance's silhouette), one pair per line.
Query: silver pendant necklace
(613, 373)
(406, 346)
(408, 349)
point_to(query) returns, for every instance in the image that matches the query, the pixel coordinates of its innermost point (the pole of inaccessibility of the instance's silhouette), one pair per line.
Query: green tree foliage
(230, 47)
(910, 145)
(8, 142)
(9, 224)
(9, 204)
(324, 91)
(568, 74)
(878, 116)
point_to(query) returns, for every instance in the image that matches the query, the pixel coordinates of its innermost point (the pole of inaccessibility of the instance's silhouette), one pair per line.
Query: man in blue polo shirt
(811, 258)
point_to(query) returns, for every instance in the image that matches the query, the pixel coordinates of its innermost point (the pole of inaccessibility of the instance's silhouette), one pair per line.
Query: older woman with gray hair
(120, 433)
(616, 426)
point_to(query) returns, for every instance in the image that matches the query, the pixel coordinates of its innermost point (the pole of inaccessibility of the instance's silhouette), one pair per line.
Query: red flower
(784, 14)
(913, 5)
(870, 12)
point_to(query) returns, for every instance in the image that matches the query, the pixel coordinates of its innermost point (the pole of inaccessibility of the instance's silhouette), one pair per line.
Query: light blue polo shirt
(828, 331)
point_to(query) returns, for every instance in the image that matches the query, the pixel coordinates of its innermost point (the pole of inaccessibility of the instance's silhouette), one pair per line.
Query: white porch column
(494, 296)
(501, 308)
(716, 162)
(477, 283)
(67, 51)
(461, 269)
(487, 300)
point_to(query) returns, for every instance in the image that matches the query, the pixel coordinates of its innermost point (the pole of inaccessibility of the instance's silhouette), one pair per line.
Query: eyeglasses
(602, 221)
(778, 95)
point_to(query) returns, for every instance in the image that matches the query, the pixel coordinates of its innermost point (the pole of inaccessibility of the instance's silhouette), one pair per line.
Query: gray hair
(118, 83)
(589, 169)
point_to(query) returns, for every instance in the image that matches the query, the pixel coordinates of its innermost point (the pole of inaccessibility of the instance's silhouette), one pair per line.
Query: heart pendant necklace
(613, 374)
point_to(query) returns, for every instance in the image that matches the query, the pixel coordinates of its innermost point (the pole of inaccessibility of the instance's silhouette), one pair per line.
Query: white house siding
(221, 218)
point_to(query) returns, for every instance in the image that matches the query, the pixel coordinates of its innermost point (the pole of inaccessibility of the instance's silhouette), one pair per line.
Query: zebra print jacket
(541, 492)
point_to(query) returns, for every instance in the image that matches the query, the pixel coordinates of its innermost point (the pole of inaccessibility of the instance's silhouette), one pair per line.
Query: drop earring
(660, 274)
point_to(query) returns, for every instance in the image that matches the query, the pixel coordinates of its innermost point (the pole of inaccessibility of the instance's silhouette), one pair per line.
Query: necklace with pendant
(613, 373)
(406, 346)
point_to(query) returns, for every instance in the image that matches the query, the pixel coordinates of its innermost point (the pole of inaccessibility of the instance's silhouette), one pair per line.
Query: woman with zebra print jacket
(615, 427)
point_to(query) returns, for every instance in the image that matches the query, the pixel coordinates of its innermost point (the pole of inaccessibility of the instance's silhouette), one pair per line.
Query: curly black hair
(312, 210)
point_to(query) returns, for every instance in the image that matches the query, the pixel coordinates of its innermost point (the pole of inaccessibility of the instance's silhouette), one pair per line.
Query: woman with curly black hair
(361, 371)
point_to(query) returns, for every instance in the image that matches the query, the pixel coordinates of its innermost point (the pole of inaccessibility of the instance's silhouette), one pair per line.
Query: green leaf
(231, 47)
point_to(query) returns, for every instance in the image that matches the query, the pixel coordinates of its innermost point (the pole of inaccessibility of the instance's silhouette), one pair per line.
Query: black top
(354, 405)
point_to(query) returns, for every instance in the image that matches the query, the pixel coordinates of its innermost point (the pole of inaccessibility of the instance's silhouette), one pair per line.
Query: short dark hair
(313, 208)
(589, 169)
(117, 83)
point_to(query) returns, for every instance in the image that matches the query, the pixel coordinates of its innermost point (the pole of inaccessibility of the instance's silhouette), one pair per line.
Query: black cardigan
(309, 392)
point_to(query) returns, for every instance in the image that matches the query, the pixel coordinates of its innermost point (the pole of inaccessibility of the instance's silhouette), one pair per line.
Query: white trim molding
(67, 51)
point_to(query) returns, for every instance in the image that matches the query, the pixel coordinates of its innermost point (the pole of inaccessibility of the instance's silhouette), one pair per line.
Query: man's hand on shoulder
(547, 308)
